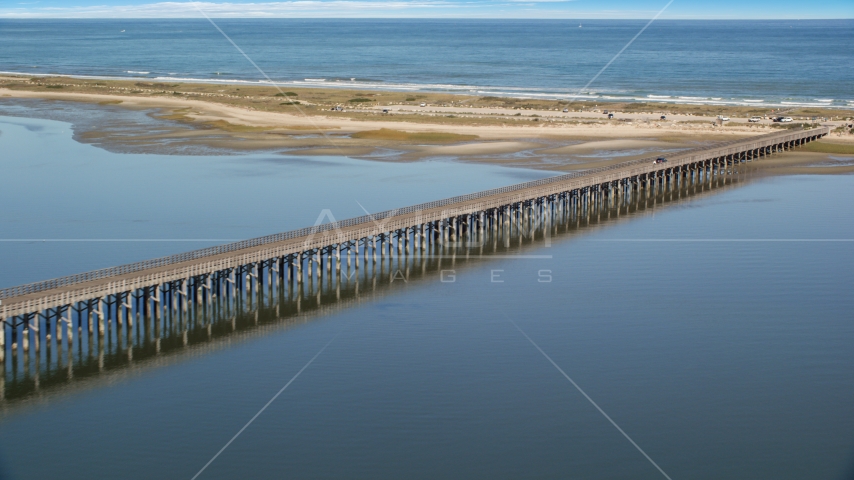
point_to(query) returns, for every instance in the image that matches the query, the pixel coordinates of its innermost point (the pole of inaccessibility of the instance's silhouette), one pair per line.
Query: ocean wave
(137, 72)
(748, 100)
(658, 96)
(804, 104)
(367, 80)
(208, 80)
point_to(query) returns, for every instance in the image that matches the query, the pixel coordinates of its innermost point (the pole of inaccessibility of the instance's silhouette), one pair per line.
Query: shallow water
(66, 198)
(714, 330)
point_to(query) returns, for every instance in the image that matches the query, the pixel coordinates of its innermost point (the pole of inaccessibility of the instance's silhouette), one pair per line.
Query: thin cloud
(516, 9)
(266, 9)
(326, 9)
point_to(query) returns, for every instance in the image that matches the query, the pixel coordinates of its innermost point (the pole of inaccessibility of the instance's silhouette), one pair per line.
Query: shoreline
(545, 94)
(510, 132)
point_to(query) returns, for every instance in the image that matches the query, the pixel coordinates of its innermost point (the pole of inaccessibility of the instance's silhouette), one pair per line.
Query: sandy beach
(395, 126)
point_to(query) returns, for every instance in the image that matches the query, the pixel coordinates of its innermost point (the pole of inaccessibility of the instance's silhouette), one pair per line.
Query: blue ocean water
(780, 63)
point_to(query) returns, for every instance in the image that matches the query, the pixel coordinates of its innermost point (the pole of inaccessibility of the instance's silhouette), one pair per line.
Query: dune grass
(827, 147)
(399, 135)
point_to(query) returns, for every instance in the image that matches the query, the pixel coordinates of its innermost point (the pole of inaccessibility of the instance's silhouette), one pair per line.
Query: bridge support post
(456, 231)
(25, 341)
(158, 305)
(100, 314)
(13, 327)
(359, 251)
(69, 331)
(408, 241)
(120, 309)
(281, 267)
(144, 303)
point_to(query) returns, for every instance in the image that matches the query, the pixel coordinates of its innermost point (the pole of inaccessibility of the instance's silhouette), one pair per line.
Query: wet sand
(544, 139)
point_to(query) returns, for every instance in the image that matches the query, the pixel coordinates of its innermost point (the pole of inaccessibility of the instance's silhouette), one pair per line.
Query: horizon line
(405, 17)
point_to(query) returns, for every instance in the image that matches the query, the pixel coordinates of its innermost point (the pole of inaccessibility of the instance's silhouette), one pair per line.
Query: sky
(573, 9)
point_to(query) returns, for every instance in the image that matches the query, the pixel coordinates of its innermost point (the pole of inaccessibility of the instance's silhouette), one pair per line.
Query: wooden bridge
(170, 285)
(50, 368)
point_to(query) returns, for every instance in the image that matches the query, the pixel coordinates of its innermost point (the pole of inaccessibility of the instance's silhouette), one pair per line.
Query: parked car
(385, 110)
(605, 112)
(723, 118)
(663, 117)
(565, 110)
(610, 116)
(659, 160)
(423, 104)
(786, 119)
(754, 119)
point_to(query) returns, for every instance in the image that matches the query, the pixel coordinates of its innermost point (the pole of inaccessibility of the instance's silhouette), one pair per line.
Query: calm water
(715, 330)
(64, 197)
(722, 358)
(784, 63)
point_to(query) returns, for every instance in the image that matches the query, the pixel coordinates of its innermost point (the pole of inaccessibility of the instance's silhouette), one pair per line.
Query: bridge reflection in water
(213, 313)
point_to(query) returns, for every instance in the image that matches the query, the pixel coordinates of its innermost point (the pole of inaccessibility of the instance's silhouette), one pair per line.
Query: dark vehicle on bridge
(659, 160)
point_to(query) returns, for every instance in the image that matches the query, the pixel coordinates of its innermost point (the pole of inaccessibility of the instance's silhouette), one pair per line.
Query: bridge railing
(302, 232)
